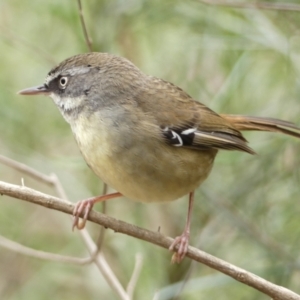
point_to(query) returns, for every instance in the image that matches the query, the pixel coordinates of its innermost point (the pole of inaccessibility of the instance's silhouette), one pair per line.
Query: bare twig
(94, 250)
(135, 274)
(266, 287)
(100, 239)
(49, 180)
(95, 257)
(62, 194)
(58, 187)
(85, 32)
(103, 266)
(16, 247)
(254, 5)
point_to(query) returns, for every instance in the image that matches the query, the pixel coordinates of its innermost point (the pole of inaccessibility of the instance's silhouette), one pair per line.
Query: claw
(80, 207)
(85, 206)
(182, 243)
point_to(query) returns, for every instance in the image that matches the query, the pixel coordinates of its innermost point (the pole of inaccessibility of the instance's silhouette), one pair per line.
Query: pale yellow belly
(146, 172)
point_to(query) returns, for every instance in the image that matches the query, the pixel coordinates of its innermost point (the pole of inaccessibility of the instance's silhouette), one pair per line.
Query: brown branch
(88, 40)
(95, 257)
(266, 287)
(254, 5)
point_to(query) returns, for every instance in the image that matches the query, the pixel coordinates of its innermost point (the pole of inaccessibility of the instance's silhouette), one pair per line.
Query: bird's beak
(36, 90)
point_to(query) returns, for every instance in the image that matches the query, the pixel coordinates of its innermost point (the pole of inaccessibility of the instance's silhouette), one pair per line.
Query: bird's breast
(141, 167)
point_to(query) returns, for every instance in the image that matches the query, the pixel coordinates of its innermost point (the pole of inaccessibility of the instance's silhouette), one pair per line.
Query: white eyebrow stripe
(67, 72)
(77, 71)
(189, 131)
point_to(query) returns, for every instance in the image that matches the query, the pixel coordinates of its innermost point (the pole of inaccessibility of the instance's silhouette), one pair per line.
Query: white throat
(68, 106)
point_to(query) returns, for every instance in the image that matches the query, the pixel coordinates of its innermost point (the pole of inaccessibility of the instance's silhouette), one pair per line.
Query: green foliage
(233, 60)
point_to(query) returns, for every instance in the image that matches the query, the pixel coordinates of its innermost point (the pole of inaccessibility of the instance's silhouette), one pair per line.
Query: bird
(143, 136)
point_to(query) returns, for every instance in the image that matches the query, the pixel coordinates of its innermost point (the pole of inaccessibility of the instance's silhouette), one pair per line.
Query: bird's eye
(63, 82)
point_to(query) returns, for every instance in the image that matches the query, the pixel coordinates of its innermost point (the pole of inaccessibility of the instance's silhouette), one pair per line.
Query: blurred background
(238, 61)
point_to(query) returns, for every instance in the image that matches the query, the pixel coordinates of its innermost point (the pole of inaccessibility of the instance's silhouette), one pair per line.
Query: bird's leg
(182, 241)
(86, 206)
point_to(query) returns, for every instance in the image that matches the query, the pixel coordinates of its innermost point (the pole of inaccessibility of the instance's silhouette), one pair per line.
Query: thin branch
(16, 247)
(62, 194)
(135, 274)
(266, 287)
(94, 249)
(58, 186)
(49, 180)
(103, 266)
(254, 5)
(100, 238)
(95, 257)
(85, 32)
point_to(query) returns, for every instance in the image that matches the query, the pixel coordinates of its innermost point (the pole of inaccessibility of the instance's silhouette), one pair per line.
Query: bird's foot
(84, 206)
(181, 243)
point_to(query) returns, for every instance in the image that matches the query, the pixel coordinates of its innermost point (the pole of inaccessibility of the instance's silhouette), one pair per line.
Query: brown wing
(187, 123)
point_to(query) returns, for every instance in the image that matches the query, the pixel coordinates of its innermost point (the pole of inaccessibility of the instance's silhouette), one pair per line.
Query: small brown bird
(143, 136)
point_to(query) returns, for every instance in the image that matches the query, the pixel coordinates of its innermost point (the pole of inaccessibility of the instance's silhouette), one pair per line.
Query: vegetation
(241, 61)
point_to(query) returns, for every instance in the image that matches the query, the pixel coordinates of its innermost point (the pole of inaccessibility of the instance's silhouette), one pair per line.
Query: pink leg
(182, 241)
(85, 206)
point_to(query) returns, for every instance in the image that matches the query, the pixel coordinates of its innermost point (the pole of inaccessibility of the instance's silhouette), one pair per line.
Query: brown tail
(263, 124)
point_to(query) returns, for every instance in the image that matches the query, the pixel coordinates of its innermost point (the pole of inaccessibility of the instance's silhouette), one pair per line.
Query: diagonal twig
(21, 249)
(83, 25)
(135, 274)
(95, 257)
(49, 180)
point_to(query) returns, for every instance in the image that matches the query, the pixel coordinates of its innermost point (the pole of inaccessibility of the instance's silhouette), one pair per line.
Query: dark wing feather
(203, 140)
